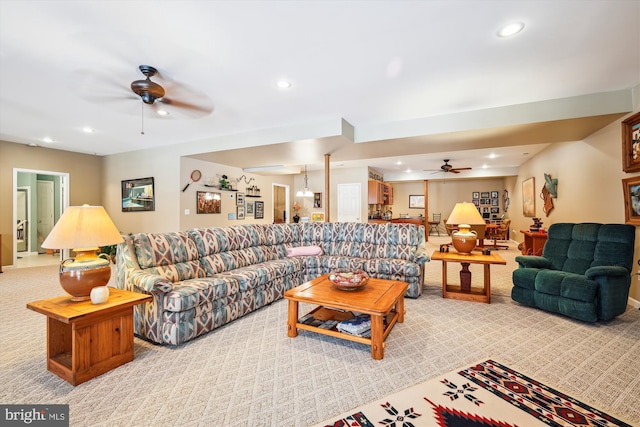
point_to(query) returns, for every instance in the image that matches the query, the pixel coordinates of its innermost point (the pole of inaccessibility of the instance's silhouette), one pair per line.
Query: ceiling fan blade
(180, 104)
(456, 170)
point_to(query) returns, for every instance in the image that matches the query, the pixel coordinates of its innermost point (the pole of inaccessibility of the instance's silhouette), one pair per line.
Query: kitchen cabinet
(380, 193)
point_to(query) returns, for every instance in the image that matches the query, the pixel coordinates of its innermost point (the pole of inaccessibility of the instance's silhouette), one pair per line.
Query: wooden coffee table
(382, 299)
(465, 291)
(86, 340)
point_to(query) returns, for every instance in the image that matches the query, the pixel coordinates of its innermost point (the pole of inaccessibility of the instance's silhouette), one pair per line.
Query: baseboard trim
(634, 302)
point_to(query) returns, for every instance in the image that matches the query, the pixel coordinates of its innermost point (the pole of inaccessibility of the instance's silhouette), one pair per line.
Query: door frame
(27, 191)
(64, 203)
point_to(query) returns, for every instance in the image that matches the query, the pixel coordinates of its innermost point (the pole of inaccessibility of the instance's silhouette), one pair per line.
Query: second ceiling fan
(448, 168)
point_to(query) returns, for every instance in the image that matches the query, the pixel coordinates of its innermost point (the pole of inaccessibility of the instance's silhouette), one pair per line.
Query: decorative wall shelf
(257, 197)
(219, 188)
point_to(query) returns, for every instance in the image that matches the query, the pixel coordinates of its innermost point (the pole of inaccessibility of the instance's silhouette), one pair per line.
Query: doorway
(39, 197)
(280, 202)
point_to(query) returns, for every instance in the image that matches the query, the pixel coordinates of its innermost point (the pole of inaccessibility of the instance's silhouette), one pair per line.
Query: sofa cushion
(566, 285)
(173, 256)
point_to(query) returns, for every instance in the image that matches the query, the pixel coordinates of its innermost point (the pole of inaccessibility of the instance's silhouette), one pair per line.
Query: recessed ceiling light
(283, 84)
(47, 139)
(87, 129)
(511, 29)
(162, 112)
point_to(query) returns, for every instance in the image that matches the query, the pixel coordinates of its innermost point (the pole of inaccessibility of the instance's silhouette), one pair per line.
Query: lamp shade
(83, 227)
(465, 213)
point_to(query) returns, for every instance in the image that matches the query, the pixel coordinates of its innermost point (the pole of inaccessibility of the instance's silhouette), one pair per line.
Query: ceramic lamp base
(464, 240)
(78, 276)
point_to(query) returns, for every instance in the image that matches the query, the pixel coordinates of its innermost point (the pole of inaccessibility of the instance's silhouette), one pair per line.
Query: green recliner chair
(584, 271)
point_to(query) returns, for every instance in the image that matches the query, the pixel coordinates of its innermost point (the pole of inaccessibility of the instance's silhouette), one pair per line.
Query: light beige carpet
(249, 373)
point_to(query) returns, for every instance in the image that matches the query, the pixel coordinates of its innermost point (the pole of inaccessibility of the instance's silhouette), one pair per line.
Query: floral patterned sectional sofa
(203, 278)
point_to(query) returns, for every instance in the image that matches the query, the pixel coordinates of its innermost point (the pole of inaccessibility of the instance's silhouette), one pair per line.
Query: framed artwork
(476, 202)
(239, 199)
(475, 195)
(495, 202)
(494, 194)
(208, 202)
(239, 212)
(484, 195)
(528, 198)
(231, 216)
(258, 211)
(416, 201)
(317, 200)
(317, 217)
(631, 188)
(138, 195)
(631, 144)
(495, 210)
(249, 209)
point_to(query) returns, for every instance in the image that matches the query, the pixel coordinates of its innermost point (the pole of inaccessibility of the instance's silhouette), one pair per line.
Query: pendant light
(306, 192)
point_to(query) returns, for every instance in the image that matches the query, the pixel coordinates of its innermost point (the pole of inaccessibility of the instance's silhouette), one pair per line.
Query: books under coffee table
(381, 300)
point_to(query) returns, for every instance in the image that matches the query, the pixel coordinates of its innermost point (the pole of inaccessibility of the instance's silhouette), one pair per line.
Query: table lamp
(84, 229)
(464, 215)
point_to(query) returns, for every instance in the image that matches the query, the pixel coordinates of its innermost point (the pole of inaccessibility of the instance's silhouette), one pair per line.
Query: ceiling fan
(448, 168)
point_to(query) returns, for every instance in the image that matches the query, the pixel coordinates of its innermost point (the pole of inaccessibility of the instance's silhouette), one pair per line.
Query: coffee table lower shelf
(387, 322)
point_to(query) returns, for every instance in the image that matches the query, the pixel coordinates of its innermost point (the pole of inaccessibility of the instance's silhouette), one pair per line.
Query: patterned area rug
(485, 394)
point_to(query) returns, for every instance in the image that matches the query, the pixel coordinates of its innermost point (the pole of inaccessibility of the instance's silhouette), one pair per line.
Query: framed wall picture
(317, 217)
(249, 208)
(317, 200)
(138, 195)
(208, 202)
(631, 188)
(239, 212)
(529, 197)
(631, 144)
(258, 210)
(239, 199)
(484, 195)
(475, 195)
(416, 201)
(494, 194)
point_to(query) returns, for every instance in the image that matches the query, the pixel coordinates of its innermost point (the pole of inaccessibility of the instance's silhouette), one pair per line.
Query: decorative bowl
(348, 280)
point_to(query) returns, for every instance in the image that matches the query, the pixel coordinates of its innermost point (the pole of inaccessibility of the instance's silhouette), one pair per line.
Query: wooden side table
(86, 340)
(534, 242)
(458, 292)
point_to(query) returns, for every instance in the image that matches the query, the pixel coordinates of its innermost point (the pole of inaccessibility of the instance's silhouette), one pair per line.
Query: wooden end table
(534, 242)
(382, 299)
(472, 294)
(86, 340)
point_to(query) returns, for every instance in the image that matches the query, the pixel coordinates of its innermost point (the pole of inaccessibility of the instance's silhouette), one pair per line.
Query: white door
(45, 212)
(349, 202)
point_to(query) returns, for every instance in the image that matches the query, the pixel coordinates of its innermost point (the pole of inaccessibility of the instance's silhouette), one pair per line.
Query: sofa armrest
(532, 261)
(149, 283)
(612, 271)
(421, 256)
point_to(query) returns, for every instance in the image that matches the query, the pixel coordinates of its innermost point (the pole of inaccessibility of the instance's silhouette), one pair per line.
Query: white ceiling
(373, 83)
